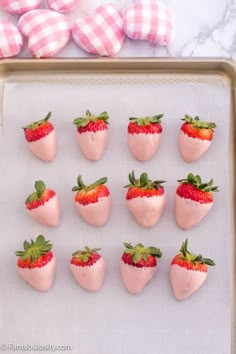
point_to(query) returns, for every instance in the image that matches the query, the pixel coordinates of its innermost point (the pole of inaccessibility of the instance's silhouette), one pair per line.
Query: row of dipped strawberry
(144, 137)
(37, 265)
(145, 199)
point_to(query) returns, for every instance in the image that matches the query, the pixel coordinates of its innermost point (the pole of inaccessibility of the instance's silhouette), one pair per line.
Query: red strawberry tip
(84, 121)
(143, 182)
(139, 252)
(38, 123)
(196, 181)
(81, 186)
(186, 255)
(197, 123)
(34, 249)
(147, 120)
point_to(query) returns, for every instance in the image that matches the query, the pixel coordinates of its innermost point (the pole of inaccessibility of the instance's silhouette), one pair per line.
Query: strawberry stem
(186, 255)
(82, 186)
(34, 249)
(147, 120)
(85, 254)
(38, 123)
(143, 182)
(40, 188)
(139, 252)
(196, 181)
(198, 123)
(84, 121)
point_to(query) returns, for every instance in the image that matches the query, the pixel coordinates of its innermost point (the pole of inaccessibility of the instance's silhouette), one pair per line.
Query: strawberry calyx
(35, 125)
(139, 256)
(81, 186)
(185, 255)
(85, 257)
(34, 250)
(40, 189)
(143, 182)
(41, 196)
(198, 184)
(84, 121)
(147, 120)
(197, 123)
(92, 193)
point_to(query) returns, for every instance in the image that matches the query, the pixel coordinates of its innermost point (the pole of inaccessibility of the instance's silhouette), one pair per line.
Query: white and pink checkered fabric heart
(63, 5)
(47, 32)
(18, 7)
(102, 33)
(10, 39)
(149, 20)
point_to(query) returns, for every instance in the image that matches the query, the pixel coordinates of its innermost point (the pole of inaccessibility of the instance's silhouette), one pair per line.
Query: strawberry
(92, 134)
(93, 202)
(37, 264)
(138, 265)
(41, 138)
(144, 136)
(193, 200)
(88, 268)
(43, 205)
(145, 199)
(188, 272)
(195, 137)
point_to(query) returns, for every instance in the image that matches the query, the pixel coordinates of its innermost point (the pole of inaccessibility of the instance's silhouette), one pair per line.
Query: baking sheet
(112, 319)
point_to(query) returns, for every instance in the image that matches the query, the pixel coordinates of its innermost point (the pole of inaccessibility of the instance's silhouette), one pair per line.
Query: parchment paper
(112, 320)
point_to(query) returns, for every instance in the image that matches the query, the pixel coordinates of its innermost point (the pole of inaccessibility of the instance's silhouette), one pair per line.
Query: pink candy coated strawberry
(37, 264)
(88, 268)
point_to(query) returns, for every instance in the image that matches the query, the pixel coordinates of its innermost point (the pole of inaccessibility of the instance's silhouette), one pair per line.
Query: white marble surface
(203, 29)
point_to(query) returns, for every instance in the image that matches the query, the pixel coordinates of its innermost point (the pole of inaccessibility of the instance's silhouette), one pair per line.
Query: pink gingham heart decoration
(47, 32)
(101, 33)
(149, 20)
(18, 7)
(10, 39)
(63, 5)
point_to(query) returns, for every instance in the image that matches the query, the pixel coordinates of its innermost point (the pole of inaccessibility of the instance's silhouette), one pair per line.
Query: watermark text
(7, 347)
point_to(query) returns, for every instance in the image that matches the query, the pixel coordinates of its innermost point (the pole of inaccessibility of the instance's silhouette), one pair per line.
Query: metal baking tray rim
(25, 67)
